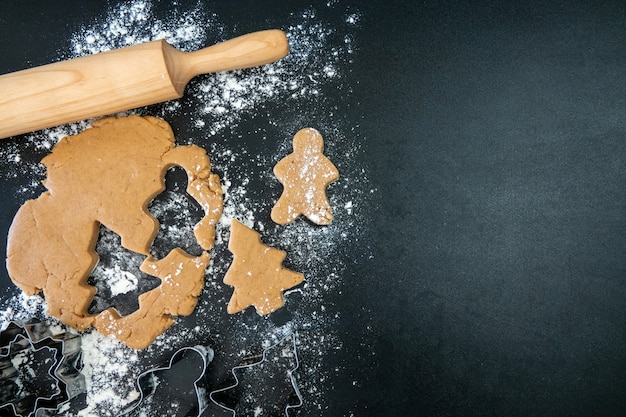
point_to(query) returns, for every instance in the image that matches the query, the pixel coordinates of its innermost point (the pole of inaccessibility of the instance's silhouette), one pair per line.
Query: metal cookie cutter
(39, 370)
(177, 389)
(180, 388)
(267, 381)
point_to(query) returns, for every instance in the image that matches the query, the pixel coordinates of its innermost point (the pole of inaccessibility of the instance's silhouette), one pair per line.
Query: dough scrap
(256, 273)
(182, 279)
(305, 173)
(107, 175)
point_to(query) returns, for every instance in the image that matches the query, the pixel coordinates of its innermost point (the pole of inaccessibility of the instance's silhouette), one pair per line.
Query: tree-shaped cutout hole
(117, 277)
(177, 213)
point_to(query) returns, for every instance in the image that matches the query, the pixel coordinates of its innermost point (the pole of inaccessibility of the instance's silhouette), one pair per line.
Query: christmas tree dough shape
(305, 173)
(108, 174)
(256, 272)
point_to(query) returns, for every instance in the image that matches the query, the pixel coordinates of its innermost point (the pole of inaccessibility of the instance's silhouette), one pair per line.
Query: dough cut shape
(305, 174)
(256, 272)
(108, 175)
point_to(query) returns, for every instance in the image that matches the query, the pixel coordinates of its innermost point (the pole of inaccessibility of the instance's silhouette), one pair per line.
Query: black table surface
(494, 136)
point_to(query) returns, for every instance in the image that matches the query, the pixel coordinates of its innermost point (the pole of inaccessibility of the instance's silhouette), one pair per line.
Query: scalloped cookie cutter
(19, 346)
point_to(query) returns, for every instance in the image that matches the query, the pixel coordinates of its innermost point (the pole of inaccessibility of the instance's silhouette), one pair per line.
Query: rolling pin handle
(246, 51)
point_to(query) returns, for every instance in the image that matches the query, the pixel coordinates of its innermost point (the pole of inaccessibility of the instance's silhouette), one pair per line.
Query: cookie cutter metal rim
(205, 353)
(52, 370)
(290, 373)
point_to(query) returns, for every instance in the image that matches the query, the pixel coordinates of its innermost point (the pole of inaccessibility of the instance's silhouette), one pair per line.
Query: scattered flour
(120, 281)
(319, 61)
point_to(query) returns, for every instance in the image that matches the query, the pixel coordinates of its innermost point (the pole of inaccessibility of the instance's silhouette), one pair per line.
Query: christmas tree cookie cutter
(39, 369)
(285, 349)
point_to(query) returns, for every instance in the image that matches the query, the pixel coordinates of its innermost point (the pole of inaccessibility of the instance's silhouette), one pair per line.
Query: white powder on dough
(319, 61)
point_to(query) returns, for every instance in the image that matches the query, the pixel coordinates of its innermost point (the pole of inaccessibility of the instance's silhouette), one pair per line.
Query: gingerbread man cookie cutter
(189, 395)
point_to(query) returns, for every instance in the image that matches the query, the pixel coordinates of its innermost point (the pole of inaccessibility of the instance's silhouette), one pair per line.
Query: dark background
(495, 133)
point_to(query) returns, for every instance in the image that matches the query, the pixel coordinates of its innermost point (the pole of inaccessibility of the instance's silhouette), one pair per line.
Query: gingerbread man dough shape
(305, 173)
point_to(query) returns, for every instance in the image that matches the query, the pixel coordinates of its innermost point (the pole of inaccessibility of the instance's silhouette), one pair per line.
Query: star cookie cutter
(286, 349)
(168, 386)
(26, 350)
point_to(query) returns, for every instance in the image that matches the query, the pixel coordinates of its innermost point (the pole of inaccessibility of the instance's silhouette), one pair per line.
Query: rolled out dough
(108, 174)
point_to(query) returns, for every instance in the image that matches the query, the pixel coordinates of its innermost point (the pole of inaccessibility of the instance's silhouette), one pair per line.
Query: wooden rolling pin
(121, 79)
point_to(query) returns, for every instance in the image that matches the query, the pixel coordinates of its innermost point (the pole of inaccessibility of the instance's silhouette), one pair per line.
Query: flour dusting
(220, 108)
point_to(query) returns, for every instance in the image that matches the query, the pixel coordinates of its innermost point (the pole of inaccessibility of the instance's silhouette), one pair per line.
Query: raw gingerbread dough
(108, 175)
(305, 173)
(256, 272)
